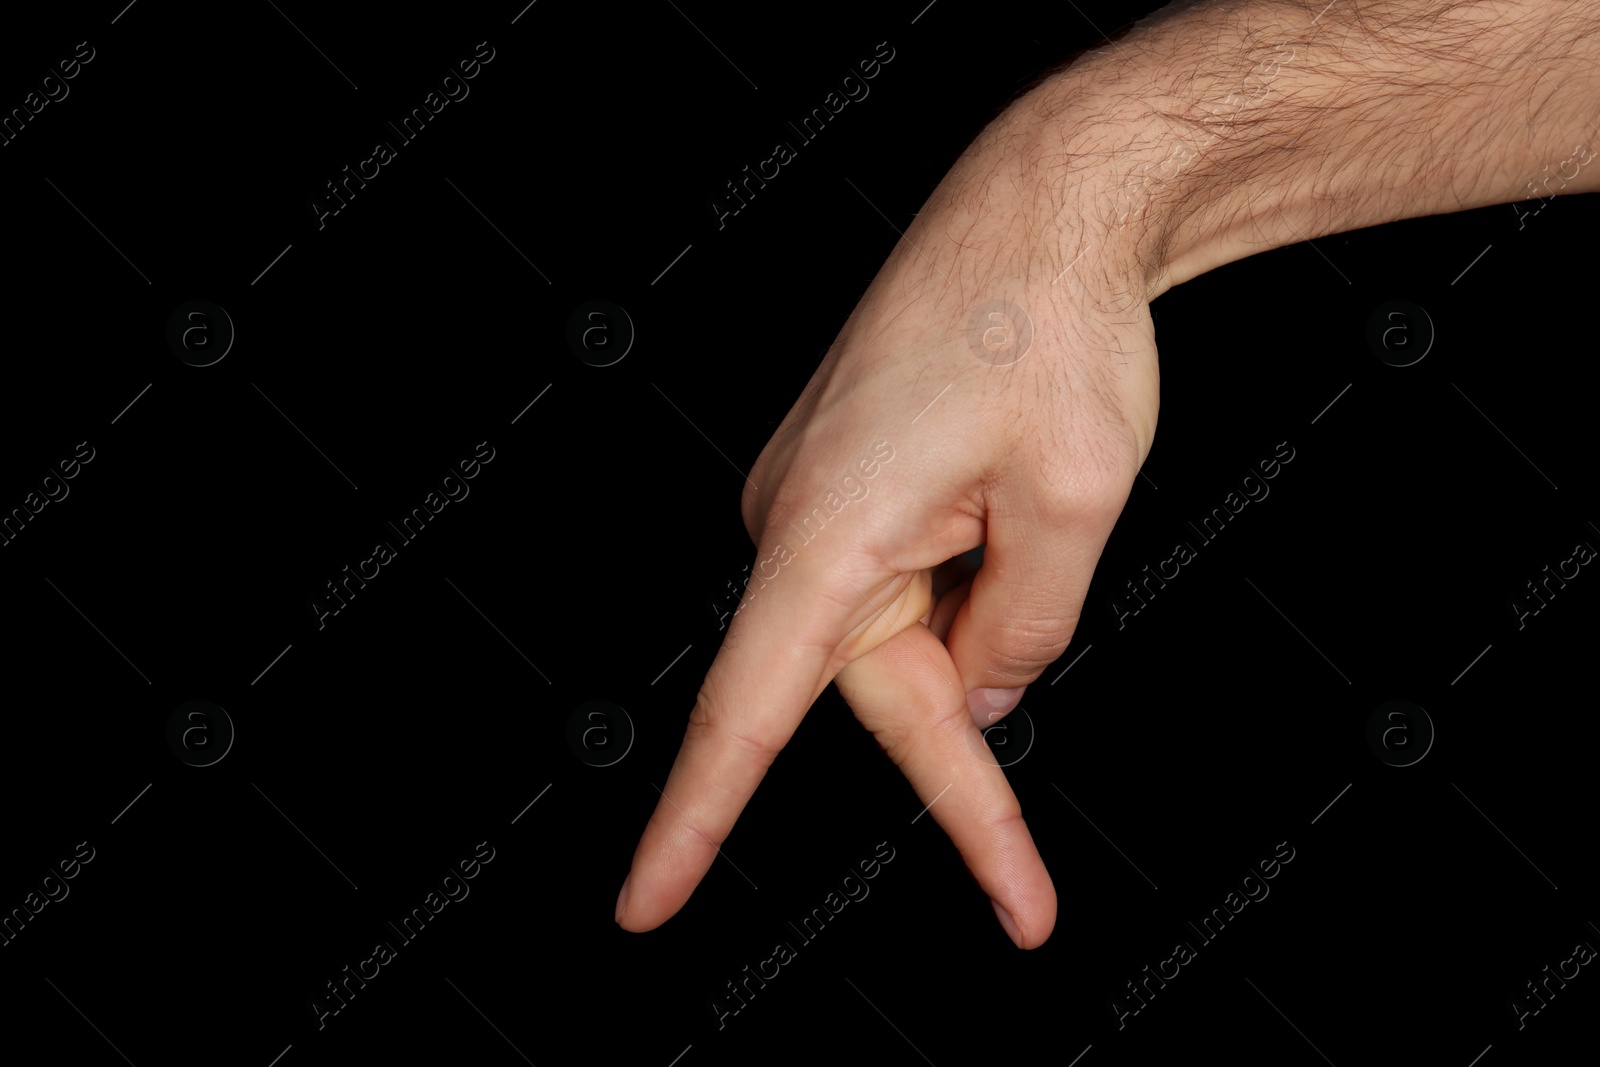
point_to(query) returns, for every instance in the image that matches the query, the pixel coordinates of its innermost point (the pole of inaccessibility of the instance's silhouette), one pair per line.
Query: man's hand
(977, 396)
(999, 379)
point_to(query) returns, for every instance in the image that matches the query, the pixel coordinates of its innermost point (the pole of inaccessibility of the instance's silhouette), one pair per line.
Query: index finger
(781, 651)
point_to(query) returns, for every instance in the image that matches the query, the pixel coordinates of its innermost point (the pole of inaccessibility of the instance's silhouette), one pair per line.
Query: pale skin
(1210, 132)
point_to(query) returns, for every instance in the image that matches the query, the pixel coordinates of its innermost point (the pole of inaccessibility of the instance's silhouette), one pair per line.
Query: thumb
(1025, 603)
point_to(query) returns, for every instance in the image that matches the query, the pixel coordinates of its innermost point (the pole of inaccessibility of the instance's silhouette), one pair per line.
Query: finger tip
(1042, 918)
(989, 706)
(1033, 911)
(622, 902)
(1035, 934)
(1008, 924)
(641, 907)
(1038, 933)
(636, 922)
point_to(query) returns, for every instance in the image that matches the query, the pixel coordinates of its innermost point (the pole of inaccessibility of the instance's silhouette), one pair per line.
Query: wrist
(1223, 129)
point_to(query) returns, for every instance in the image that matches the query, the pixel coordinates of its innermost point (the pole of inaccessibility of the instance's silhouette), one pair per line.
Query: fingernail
(622, 899)
(1008, 922)
(988, 706)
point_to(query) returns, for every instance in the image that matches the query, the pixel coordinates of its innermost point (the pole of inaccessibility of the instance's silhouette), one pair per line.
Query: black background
(427, 715)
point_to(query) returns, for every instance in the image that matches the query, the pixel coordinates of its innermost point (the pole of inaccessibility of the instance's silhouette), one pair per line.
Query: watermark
(408, 129)
(1582, 955)
(1252, 487)
(200, 733)
(1400, 733)
(852, 487)
(600, 733)
(1210, 928)
(408, 529)
(1567, 569)
(600, 333)
(999, 333)
(1007, 738)
(53, 488)
(410, 928)
(200, 333)
(12, 924)
(1400, 333)
(1581, 156)
(14, 122)
(852, 88)
(852, 887)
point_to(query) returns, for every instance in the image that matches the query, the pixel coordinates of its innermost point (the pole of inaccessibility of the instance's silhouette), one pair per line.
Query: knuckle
(1004, 819)
(754, 746)
(1089, 486)
(1022, 648)
(709, 727)
(1098, 484)
(953, 723)
(896, 738)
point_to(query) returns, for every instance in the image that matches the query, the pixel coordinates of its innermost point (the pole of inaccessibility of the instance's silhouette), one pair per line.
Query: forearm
(1216, 130)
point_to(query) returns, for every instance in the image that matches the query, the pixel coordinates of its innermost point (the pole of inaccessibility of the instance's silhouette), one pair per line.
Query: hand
(978, 395)
(1099, 190)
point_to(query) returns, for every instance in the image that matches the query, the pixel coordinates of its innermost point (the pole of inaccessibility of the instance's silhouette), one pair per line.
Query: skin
(1209, 132)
